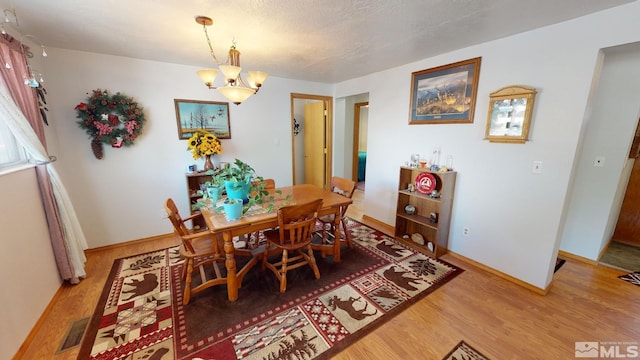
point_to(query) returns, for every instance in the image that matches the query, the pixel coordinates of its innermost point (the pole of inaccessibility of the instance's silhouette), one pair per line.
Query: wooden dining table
(258, 218)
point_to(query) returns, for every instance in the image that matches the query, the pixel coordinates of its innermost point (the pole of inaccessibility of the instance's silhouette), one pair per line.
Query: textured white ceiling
(318, 40)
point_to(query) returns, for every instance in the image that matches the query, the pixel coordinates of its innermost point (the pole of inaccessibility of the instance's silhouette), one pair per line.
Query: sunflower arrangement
(204, 143)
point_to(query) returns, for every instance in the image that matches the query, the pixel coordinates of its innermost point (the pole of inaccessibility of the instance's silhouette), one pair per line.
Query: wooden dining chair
(344, 187)
(253, 240)
(292, 238)
(198, 250)
(269, 184)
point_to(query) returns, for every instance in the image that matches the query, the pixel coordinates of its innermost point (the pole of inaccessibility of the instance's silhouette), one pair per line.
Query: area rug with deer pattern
(464, 351)
(633, 278)
(140, 314)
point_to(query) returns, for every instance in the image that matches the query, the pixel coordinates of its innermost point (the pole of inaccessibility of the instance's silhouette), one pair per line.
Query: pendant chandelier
(234, 89)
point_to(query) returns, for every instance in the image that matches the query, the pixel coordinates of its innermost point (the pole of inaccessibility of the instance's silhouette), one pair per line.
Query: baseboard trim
(378, 225)
(127, 243)
(390, 230)
(502, 275)
(36, 327)
(566, 255)
(604, 250)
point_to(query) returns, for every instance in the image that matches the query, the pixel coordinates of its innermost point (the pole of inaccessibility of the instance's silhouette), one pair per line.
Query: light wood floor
(498, 318)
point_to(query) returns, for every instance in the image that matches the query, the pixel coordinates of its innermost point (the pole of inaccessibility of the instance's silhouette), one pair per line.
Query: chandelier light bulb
(44, 53)
(230, 72)
(207, 76)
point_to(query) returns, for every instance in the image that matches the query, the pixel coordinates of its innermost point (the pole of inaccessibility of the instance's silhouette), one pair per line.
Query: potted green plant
(209, 190)
(215, 186)
(233, 208)
(240, 180)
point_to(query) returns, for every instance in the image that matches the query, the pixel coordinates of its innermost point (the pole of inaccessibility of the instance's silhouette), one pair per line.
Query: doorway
(311, 122)
(623, 250)
(596, 193)
(627, 230)
(360, 126)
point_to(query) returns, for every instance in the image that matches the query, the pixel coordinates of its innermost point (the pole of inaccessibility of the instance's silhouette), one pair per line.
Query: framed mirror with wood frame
(510, 110)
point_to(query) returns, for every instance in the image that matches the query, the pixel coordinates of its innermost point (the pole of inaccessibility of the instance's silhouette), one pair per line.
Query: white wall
(597, 192)
(120, 197)
(514, 216)
(30, 276)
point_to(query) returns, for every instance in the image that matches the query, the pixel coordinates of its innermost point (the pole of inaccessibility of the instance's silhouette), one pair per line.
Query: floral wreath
(112, 119)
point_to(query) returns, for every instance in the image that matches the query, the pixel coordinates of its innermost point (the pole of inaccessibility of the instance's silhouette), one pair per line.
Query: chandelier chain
(213, 55)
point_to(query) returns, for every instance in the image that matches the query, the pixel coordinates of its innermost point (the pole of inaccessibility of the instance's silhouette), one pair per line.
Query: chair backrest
(297, 222)
(269, 184)
(175, 218)
(178, 224)
(343, 186)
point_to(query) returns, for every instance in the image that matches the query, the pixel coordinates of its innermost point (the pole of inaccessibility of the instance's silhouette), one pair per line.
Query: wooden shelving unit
(436, 232)
(193, 185)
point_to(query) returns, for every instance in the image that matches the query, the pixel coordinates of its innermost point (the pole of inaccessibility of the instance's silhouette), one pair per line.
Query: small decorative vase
(410, 209)
(208, 165)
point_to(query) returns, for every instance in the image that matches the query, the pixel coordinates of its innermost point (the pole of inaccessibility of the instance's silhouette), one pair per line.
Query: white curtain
(18, 125)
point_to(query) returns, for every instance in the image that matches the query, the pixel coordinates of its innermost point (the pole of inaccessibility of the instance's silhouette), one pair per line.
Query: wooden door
(314, 143)
(628, 226)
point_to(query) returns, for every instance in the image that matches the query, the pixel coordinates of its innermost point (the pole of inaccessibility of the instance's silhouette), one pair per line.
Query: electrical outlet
(465, 231)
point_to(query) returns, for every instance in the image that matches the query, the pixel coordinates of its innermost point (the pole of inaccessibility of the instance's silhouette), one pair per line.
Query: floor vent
(74, 335)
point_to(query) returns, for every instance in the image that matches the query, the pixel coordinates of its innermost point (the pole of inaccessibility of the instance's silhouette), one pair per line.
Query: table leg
(230, 263)
(336, 232)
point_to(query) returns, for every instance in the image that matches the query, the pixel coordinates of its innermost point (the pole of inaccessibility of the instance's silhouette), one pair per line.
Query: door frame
(356, 138)
(328, 104)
